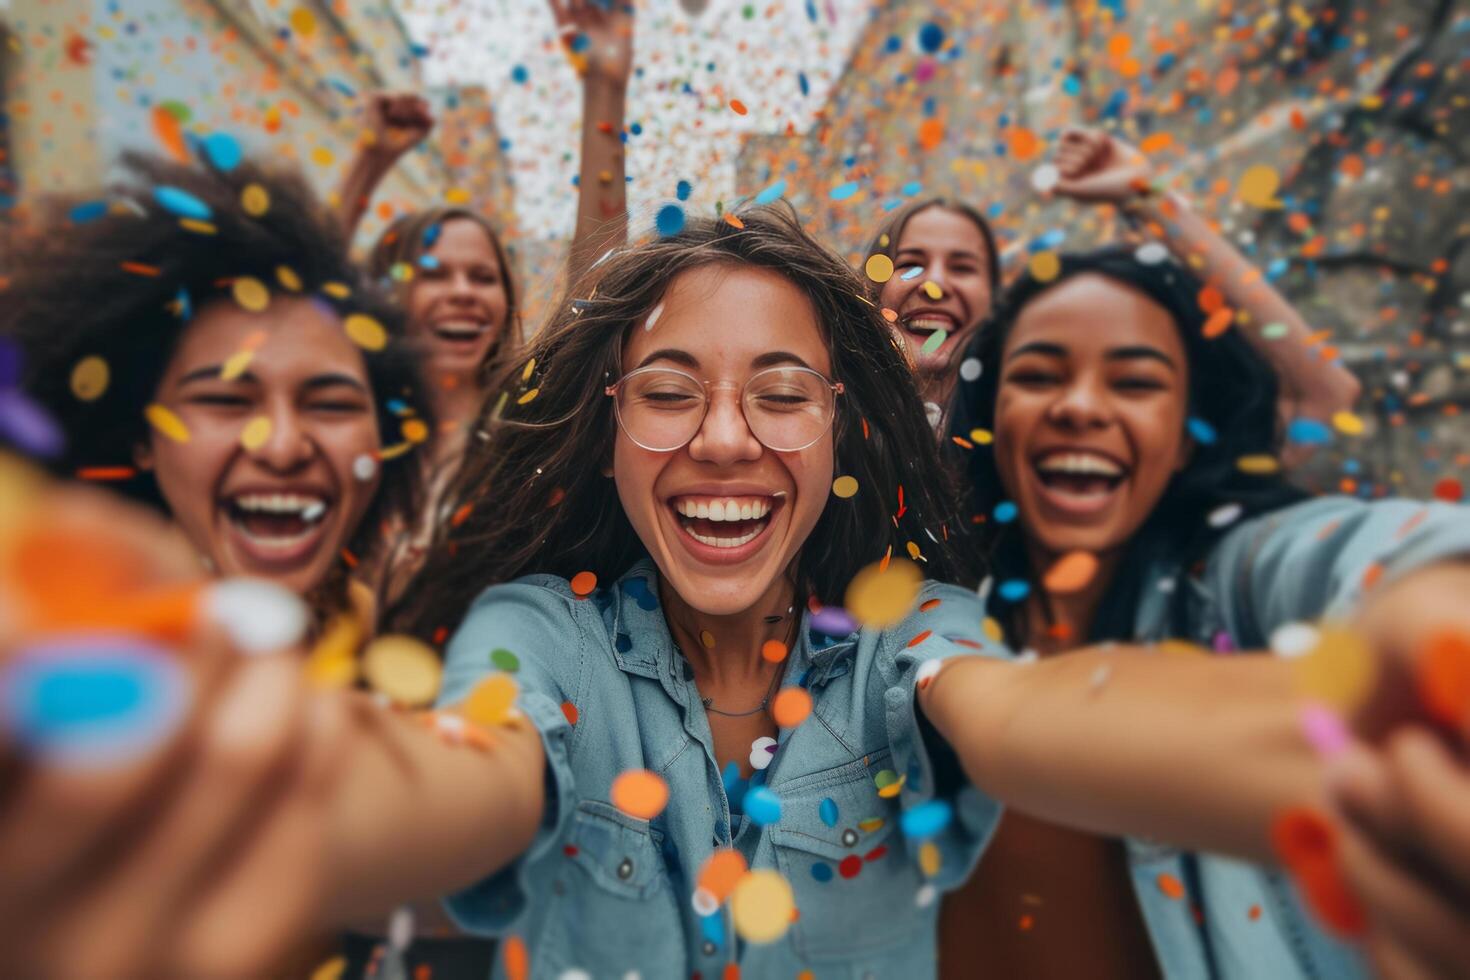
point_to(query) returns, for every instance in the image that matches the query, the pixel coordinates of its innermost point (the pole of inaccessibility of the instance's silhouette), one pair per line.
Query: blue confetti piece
(1201, 431)
(93, 701)
(670, 220)
(428, 262)
(822, 872)
(87, 211)
(1005, 512)
(828, 812)
(912, 273)
(1308, 432)
(772, 193)
(926, 820)
(342, 87)
(683, 189)
(712, 929)
(762, 806)
(223, 151)
(931, 37)
(581, 42)
(803, 84)
(911, 188)
(1014, 589)
(843, 191)
(182, 203)
(520, 75)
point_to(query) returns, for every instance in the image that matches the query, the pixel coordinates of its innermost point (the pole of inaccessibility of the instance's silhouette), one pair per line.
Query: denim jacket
(605, 893)
(1310, 561)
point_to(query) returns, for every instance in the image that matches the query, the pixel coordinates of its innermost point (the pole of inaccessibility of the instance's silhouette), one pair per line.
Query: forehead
(1092, 313)
(938, 229)
(727, 315)
(464, 240)
(300, 338)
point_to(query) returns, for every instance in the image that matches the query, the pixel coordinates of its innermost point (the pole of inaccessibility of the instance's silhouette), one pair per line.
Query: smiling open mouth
(723, 522)
(277, 526)
(460, 331)
(1079, 477)
(928, 323)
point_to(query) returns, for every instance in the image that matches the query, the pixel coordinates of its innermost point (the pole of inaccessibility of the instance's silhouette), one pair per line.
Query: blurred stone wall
(1359, 108)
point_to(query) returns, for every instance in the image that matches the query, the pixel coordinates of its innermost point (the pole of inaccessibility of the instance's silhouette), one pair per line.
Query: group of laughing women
(1066, 754)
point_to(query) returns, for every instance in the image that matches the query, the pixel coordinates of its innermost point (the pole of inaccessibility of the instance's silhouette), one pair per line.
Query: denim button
(849, 837)
(625, 870)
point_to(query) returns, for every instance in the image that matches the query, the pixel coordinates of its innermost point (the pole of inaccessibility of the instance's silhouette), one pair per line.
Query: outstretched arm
(395, 123)
(1099, 168)
(599, 39)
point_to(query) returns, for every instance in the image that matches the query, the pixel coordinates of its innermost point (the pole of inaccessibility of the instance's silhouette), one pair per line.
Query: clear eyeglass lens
(660, 410)
(786, 408)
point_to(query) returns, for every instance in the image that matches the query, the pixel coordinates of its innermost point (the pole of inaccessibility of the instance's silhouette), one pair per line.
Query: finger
(1399, 904)
(59, 818)
(1362, 787)
(1435, 791)
(250, 739)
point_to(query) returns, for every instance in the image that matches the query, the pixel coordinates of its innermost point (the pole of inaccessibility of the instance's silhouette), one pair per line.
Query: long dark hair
(1232, 390)
(113, 275)
(536, 501)
(405, 242)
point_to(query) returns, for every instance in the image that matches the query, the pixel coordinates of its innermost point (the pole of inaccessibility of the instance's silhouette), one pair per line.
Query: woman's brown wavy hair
(536, 499)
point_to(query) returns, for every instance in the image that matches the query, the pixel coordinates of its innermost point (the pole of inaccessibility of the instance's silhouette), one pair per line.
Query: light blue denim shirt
(1303, 563)
(606, 893)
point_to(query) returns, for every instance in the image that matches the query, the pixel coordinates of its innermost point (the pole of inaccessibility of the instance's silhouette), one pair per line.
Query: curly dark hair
(535, 501)
(103, 276)
(1231, 388)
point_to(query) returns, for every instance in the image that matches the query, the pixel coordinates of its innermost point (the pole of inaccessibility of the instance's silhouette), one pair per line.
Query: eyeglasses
(786, 408)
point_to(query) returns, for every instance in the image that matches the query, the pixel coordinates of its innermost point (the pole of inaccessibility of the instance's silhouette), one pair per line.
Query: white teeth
(723, 542)
(308, 508)
(1079, 463)
(724, 508)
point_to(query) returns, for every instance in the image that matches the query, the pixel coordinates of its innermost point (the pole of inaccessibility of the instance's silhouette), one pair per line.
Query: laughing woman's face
(267, 483)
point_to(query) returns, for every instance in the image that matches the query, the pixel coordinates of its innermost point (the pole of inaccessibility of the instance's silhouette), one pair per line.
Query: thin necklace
(709, 703)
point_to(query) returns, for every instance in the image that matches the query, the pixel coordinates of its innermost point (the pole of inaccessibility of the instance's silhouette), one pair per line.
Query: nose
(288, 446)
(724, 437)
(1080, 404)
(461, 289)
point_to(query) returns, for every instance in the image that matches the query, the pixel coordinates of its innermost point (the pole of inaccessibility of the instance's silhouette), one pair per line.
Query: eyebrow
(1136, 352)
(774, 357)
(670, 354)
(211, 372)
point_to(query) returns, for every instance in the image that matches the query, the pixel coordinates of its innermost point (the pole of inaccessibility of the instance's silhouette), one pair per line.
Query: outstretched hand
(598, 35)
(1095, 168)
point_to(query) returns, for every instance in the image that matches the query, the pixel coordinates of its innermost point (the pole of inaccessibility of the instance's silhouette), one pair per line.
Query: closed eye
(219, 400)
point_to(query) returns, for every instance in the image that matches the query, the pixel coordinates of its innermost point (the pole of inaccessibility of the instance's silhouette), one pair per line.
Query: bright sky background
(733, 49)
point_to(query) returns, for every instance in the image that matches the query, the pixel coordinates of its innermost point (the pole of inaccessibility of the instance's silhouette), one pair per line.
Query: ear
(143, 456)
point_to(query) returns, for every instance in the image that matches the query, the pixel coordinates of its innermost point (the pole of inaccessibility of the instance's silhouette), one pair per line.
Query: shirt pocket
(838, 845)
(612, 909)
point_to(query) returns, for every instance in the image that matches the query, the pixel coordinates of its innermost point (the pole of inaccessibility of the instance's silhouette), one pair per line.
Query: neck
(1071, 614)
(734, 660)
(457, 408)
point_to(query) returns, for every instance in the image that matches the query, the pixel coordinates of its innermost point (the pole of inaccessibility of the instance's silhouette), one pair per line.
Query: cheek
(188, 474)
(894, 292)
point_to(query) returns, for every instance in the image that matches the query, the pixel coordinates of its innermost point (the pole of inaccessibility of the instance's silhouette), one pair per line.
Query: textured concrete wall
(1360, 107)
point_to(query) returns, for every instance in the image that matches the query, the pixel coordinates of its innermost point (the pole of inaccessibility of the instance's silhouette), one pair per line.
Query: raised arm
(394, 123)
(1099, 168)
(599, 39)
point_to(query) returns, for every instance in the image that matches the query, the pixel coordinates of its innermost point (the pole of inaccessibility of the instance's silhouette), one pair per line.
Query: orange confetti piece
(640, 793)
(791, 706)
(583, 583)
(570, 712)
(516, 958)
(774, 651)
(1157, 142)
(103, 473)
(721, 872)
(1171, 886)
(931, 134)
(1219, 322)
(166, 127)
(1024, 144)
(919, 639)
(738, 107)
(1306, 844)
(733, 221)
(1443, 675)
(1071, 573)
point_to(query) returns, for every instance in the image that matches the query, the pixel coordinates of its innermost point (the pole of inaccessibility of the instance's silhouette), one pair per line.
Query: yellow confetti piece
(932, 290)
(879, 267)
(303, 22)
(981, 437)
(366, 332)
(1258, 465)
(166, 422)
(198, 227)
(761, 906)
(881, 597)
(1045, 266)
(871, 824)
(1340, 669)
(889, 790)
(403, 669)
(415, 430)
(457, 195)
(393, 452)
(336, 290)
(236, 364)
(257, 433)
(528, 370)
(1348, 424)
(929, 858)
(1258, 186)
(89, 378)
(332, 663)
(251, 294)
(992, 629)
(707, 639)
(528, 396)
(490, 703)
(844, 486)
(255, 199)
(323, 156)
(332, 969)
(288, 278)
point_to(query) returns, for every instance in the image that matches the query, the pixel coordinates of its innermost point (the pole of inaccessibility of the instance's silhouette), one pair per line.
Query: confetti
(166, 422)
(491, 702)
(403, 669)
(366, 332)
(790, 707)
(1070, 573)
(879, 597)
(257, 433)
(89, 378)
(640, 793)
(761, 906)
(879, 268)
(844, 486)
(1442, 673)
